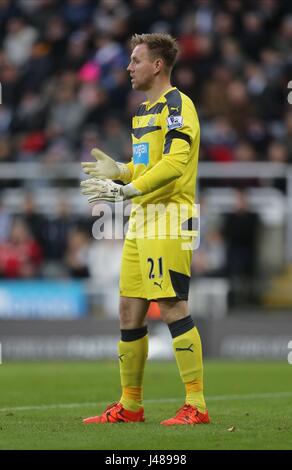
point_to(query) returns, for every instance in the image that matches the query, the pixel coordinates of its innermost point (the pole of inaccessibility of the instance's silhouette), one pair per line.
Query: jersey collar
(150, 105)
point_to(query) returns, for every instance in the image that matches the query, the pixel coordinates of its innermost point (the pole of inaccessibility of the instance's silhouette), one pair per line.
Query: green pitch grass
(42, 406)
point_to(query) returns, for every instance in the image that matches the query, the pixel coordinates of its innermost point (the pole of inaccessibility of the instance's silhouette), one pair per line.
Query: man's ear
(158, 65)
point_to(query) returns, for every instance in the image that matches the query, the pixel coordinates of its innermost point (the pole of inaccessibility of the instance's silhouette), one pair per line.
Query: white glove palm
(104, 167)
(102, 190)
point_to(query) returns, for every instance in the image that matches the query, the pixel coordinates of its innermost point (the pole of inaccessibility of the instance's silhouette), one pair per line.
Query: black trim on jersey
(179, 327)
(180, 283)
(138, 132)
(174, 102)
(156, 109)
(134, 334)
(174, 135)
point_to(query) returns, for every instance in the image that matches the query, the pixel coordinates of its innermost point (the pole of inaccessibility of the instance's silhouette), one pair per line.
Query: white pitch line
(251, 396)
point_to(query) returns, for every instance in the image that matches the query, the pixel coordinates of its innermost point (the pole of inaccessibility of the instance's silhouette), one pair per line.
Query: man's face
(142, 68)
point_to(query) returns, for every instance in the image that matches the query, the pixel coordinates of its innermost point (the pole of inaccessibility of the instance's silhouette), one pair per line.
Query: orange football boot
(188, 414)
(116, 413)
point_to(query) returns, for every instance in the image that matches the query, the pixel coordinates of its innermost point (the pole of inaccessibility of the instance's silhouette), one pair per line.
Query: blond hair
(160, 45)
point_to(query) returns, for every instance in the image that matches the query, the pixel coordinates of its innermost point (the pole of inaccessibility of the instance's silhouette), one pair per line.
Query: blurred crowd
(65, 90)
(56, 246)
(35, 245)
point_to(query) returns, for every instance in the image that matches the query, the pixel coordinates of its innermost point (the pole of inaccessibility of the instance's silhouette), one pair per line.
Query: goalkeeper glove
(107, 190)
(105, 167)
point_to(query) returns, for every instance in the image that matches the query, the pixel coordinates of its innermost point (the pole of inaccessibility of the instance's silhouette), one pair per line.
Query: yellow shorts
(156, 268)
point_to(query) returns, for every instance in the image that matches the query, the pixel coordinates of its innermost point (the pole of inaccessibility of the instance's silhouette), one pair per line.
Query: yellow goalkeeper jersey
(165, 138)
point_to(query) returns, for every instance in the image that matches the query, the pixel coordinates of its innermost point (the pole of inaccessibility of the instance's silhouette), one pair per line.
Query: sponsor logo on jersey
(141, 153)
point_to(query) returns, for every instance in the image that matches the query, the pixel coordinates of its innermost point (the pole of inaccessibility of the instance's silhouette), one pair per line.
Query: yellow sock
(188, 353)
(132, 398)
(194, 395)
(132, 356)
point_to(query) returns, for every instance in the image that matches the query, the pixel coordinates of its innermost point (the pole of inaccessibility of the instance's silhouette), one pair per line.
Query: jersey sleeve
(180, 127)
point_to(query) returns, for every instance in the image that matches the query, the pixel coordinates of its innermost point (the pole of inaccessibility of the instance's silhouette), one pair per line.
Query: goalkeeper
(163, 170)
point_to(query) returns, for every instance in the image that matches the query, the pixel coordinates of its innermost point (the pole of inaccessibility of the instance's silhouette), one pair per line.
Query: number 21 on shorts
(154, 267)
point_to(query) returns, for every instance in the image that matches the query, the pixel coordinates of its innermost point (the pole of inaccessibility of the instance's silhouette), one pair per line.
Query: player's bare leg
(133, 312)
